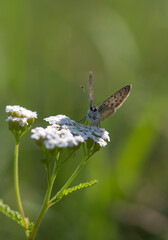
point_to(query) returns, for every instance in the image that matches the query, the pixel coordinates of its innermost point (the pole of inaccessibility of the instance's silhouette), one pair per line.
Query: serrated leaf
(78, 187)
(16, 216)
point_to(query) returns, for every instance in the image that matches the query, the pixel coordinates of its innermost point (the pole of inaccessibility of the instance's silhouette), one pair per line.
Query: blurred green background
(47, 49)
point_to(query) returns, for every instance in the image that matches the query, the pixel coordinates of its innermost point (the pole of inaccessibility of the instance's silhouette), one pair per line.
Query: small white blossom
(21, 121)
(98, 135)
(20, 112)
(60, 119)
(20, 115)
(67, 133)
(53, 137)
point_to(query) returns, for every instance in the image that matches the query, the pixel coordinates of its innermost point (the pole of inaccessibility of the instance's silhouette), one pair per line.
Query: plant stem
(16, 179)
(59, 195)
(45, 204)
(69, 155)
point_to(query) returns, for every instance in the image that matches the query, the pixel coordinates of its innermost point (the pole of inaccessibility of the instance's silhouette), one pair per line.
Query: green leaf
(16, 216)
(78, 187)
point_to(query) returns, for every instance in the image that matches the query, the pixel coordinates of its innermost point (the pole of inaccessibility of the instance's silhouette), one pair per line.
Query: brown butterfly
(97, 114)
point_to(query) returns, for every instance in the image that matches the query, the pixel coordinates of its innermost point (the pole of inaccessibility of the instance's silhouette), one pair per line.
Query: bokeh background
(47, 49)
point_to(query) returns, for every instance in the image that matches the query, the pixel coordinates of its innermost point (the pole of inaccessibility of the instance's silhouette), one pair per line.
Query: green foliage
(14, 215)
(78, 187)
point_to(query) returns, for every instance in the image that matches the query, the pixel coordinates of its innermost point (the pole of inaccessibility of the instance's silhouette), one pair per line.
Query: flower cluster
(20, 115)
(53, 136)
(20, 119)
(65, 132)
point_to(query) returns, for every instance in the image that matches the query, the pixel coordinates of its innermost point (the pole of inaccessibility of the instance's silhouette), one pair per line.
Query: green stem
(16, 179)
(59, 195)
(69, 155)
(45, 203)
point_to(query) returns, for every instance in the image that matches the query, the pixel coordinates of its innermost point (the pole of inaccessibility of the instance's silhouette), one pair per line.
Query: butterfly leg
(82, 120)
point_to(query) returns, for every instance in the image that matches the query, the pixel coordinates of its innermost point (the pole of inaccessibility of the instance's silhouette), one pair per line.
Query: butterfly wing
(111, 104)
(90, 89)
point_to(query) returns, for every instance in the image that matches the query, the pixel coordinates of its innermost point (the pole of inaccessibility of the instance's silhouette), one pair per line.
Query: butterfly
(97, 114)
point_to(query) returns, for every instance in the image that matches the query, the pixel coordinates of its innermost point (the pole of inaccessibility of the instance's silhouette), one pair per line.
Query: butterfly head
(93, 109)
(93, 115)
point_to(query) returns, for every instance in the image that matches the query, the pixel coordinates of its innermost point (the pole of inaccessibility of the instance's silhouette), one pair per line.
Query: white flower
(98, 135)
(19, 115)
(53, 137)
(20, 112)
(67, 133)
(60, 119)
(20, 121)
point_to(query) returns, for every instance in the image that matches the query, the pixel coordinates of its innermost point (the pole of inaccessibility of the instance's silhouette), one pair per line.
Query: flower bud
(20, 120)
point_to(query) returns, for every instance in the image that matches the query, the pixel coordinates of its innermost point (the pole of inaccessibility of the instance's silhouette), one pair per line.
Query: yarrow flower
(20, 119)
(53, 137)
(65, 132)
(20, 112)
(61, 120)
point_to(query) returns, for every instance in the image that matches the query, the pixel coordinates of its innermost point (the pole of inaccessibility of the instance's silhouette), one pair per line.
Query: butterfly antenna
(90, 94)
(84, 91)
(90, 89)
